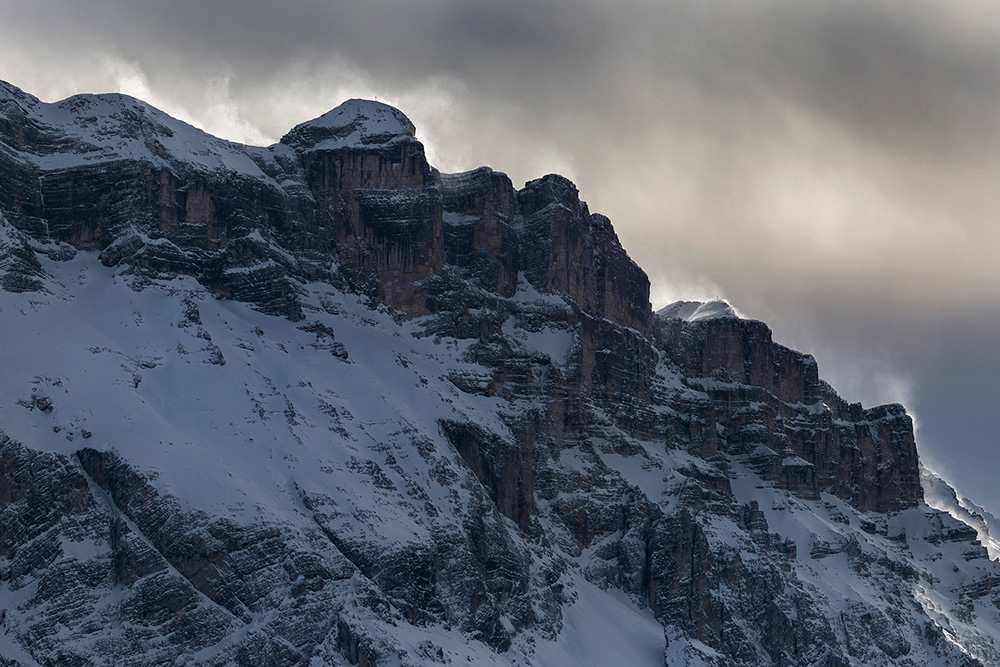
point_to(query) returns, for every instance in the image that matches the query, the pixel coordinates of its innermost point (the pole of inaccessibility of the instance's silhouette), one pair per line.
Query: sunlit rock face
(318, 403)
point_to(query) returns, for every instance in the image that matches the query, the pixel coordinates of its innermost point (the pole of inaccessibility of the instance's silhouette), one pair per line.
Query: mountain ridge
(530, 436)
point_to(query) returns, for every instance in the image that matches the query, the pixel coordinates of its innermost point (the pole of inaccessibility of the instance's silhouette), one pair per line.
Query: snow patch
(604, 628)
(694, 311)
(357, 123)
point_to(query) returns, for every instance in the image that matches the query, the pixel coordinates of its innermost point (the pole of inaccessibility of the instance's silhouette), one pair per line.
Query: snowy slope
(941, 496)
(91, 129)
(693, 311)
(357, 123)
(286, 417)
(241, 416)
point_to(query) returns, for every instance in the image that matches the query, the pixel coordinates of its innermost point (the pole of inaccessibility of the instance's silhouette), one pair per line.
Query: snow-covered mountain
(317, 403)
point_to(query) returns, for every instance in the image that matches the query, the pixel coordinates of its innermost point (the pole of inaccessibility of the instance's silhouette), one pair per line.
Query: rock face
(426, 418)
(789, 425)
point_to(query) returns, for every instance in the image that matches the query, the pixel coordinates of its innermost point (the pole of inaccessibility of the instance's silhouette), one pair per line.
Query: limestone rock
(476, 428)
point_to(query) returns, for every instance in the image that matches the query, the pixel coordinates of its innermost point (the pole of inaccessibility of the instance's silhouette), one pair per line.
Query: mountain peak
(691, 311)
(356, 122)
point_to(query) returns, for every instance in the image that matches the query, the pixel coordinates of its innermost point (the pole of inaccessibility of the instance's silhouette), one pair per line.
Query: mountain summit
(361, 123)
(318, 403)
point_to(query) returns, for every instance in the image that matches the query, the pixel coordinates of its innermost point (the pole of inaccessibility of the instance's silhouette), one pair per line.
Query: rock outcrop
(787, 423)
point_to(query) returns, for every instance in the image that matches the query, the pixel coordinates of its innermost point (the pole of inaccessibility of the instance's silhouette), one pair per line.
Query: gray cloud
(828, 166)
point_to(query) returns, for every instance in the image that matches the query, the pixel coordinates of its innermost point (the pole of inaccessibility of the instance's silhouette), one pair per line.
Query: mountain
(318, 403)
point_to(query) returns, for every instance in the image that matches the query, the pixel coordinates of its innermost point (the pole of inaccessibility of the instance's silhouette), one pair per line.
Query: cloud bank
(827, 166)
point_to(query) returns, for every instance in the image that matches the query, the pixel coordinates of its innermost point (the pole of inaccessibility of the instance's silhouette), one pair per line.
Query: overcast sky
(829, 167)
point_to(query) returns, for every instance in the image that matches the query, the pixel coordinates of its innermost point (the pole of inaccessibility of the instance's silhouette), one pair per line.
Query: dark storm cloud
(830, 166)
(888, 74)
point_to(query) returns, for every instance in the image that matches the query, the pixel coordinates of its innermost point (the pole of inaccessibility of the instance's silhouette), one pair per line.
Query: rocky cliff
(318, 403)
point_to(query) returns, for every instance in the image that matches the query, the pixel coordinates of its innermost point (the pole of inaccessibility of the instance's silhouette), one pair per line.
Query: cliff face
(788, 424)
(427, 418)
